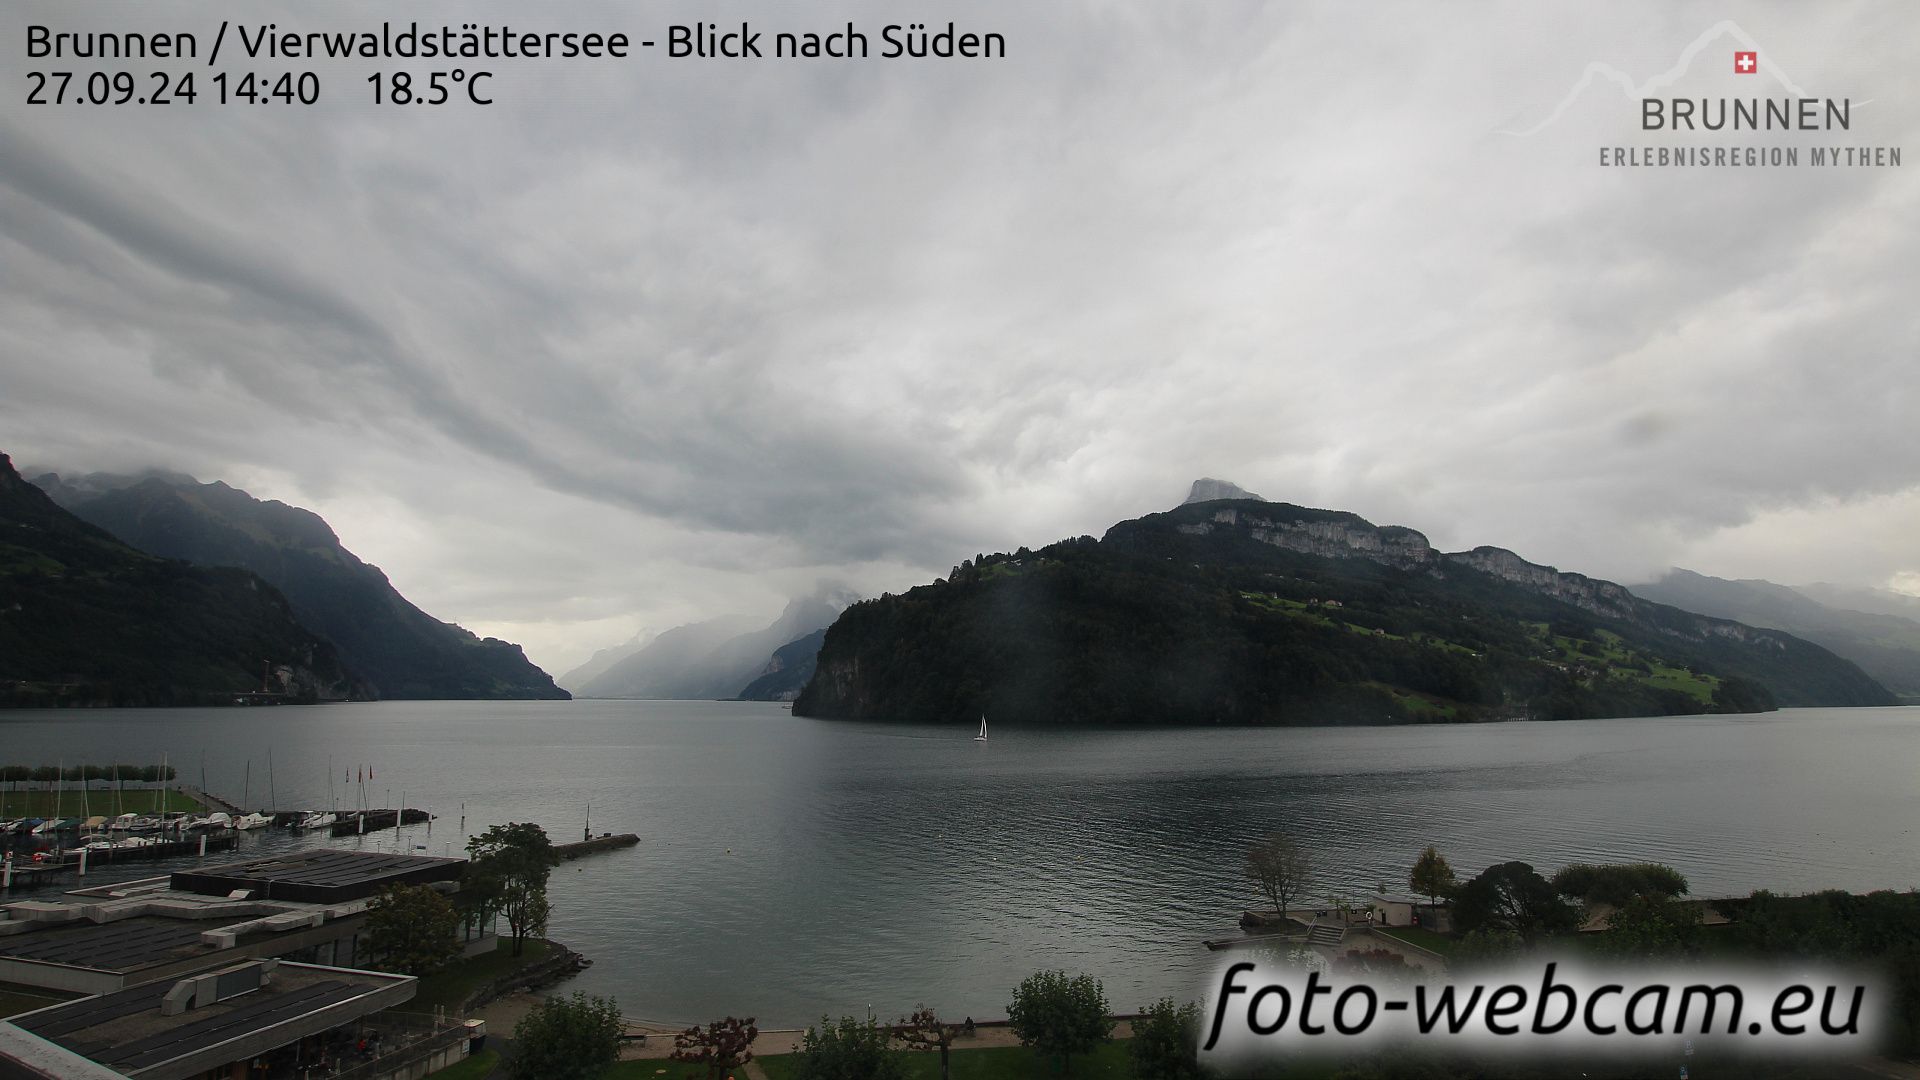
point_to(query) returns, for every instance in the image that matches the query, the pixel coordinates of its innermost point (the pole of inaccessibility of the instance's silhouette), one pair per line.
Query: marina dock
(603, 842)
(27, 873)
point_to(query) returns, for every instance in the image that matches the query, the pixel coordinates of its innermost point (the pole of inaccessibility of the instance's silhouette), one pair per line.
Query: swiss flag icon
(1746, 63)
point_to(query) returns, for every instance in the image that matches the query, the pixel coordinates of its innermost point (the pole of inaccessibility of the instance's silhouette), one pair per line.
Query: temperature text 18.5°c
(430, 88)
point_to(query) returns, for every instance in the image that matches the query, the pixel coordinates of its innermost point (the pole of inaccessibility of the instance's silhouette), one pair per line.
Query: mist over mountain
(1207, 489)
(1885, 644)
(717, 658)
(1247, 612)
(603, 660)
(787, 673)
(87, 620)
(1860, 598)
(401, 651)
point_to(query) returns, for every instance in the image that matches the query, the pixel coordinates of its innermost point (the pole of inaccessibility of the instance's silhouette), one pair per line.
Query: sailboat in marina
(982, 737)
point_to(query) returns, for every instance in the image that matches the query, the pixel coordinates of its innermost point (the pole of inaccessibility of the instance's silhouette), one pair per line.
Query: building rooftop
(319, 875)
(136, 1032)
(121, 946)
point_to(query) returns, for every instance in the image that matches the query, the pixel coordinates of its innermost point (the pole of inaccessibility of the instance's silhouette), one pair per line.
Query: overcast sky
(652, 340)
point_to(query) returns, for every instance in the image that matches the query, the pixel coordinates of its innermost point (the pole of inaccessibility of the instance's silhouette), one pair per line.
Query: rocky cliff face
(1332, 534)
(1342, 536)
(1599, 597)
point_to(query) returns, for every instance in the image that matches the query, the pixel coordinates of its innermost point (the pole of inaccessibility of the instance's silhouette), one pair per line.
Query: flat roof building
(222, 1020)
(319, 875)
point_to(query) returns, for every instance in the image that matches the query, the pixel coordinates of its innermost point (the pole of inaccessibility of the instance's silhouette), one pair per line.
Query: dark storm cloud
(656, 339)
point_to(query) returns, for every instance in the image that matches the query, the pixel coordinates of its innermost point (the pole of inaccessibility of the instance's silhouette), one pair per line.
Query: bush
(849, 1050)
(576, 1038)
(1166, 1042)
(1062, 1016)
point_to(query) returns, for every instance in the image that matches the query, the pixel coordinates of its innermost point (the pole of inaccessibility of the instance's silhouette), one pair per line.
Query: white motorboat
(255, 820)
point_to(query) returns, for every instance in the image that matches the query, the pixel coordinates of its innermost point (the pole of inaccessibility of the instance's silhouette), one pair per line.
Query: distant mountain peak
(1207, 489)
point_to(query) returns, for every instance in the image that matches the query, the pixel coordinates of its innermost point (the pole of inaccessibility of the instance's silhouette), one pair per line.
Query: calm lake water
(792, 867)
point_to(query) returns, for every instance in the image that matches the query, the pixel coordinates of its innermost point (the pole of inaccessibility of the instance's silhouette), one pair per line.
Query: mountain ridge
(1243, 611)
(401, 651)
(87, 620)
(1885, 645)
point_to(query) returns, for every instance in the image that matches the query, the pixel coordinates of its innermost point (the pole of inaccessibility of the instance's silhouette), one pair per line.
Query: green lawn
(473, 1068)
(19, 804)
(451, 985)
(1421, 936)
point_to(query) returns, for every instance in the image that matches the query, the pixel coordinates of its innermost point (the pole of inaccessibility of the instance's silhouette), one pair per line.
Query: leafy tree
(925, 1031)
(412, 929)
(1651, 927)
(576, 1038)
(1513, 898)
(849, 1050)
(720, 1047)
(1166, 1042)
(1280, 868)
(1615, 884)
(1432, 876)
(1058, 1015)
(508, 874)
(1485, 946)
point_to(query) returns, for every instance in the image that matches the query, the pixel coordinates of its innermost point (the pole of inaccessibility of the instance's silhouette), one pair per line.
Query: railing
(402, 1039)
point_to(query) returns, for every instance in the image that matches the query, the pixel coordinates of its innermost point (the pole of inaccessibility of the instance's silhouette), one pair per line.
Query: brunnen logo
(1680, 127)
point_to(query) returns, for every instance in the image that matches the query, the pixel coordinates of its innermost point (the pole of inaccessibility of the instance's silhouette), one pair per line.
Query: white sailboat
(982, 737)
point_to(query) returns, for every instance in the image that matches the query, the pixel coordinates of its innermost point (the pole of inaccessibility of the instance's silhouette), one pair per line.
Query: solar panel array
(114, 946)
(76, 1027)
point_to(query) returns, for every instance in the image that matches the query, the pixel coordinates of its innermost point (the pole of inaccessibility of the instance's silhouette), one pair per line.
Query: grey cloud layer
(796, 318)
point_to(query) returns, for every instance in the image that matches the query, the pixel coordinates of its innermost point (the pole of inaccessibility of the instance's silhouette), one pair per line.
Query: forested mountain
(1247, 612)
(1884, 644)
(87, 620)
(401, 651)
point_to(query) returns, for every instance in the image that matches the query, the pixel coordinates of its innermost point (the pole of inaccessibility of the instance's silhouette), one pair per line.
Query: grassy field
(473, 1068)
(1417, 935)
(19, 804)
(451, 985)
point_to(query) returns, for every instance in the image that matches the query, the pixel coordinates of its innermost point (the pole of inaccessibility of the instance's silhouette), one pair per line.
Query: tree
(1616, 883)
(1432, 876)
(1280, 868)
(720, 1047)
(1512, 897)
(575, 1038)
(849, 1050)
(412, 929)
(1651, 928)
(508, 875)
(924, 1031)
(1058, 1015)
(1166, 1042)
